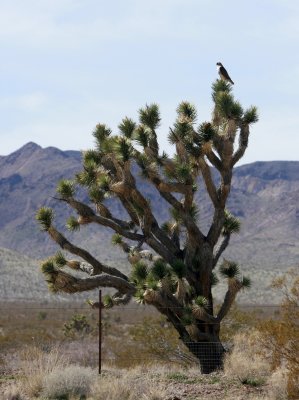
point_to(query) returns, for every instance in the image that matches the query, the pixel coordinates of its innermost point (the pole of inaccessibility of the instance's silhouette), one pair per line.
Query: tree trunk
(209, 354)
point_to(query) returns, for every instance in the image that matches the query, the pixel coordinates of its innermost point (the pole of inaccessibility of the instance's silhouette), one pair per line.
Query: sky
(67, 65)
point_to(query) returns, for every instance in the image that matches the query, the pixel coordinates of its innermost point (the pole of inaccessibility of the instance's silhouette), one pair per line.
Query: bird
(223, 73)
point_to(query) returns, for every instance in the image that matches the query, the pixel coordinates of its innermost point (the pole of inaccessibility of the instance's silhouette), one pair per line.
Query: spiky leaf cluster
(246, 282)
(206, 132)
(59, 259)
(104, 182)
(228, 107)
(66, 188)
(48, 267)
(142, 135)
(150, 116)
(72, 224)
(91, 156)
(123, 149)
(108, 301)
(45, 216)
(187, 318)
(251, 115)
(152, 282)
(101, 133)
(139, 272)
(182, 130)
(201, 301)
(220, 86)
(231, 224)
(139, 296)
(96, 194)
(179, 268)
(187, 111)
(116, 239)
(127, 127)
(88, 176)
(159, 269)
(229, 269)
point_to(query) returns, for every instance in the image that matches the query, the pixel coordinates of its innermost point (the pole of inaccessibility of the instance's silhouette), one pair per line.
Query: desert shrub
(71, 381)
(78, 326)
(246, 360)
(131, 384)
(280, 336)
(36, 364)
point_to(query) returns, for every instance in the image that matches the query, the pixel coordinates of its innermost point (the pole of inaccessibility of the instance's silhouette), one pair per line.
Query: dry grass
(246, 360)
(278, 384)
(71, 381)
(36, 364)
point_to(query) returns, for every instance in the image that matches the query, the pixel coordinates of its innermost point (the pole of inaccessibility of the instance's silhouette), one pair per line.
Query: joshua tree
(172, 262)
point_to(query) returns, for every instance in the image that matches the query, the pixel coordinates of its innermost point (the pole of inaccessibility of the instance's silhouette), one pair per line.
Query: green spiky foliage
(231, 224)
(206, 133)
(66, 188)
(104, 182)
(229, 269)
(139, 296)
(201, 301)
(101, 133)
(48, 267)
(91, 156)
(220, 86)
(127, 127)
(72, 224)
(96, 194)
(142, 135)
(45, 216)
(251, 115)
(108, 301)
(179, 268)
(59, 259)
(152, 282)
(187, 318)
(228, 107)
(159, 269)
(117, 239)
(139, 272)
(150, 116)
(123, 149)
(182, 130)
(246, 282)
(187, 111)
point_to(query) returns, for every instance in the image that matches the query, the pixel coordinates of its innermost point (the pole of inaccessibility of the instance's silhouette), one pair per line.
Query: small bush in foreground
(37, 364)
(70, 381)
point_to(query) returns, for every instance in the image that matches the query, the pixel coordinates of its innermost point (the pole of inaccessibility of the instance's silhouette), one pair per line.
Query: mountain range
(264, 195)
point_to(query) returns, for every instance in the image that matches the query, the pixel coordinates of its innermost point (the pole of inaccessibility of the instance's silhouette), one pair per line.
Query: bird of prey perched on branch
(223, 73)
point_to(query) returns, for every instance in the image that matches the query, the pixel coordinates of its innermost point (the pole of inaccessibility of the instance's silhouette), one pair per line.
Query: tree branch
(67, 283)
(243, 143)
(211, 189)
(68, 246)
(221, 249)
(234, 286)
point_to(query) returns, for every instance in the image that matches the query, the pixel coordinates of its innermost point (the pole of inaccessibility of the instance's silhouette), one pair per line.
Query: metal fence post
(100, 331)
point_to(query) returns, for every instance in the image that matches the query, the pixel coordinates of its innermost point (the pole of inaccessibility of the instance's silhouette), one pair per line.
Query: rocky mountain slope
(264, 196)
